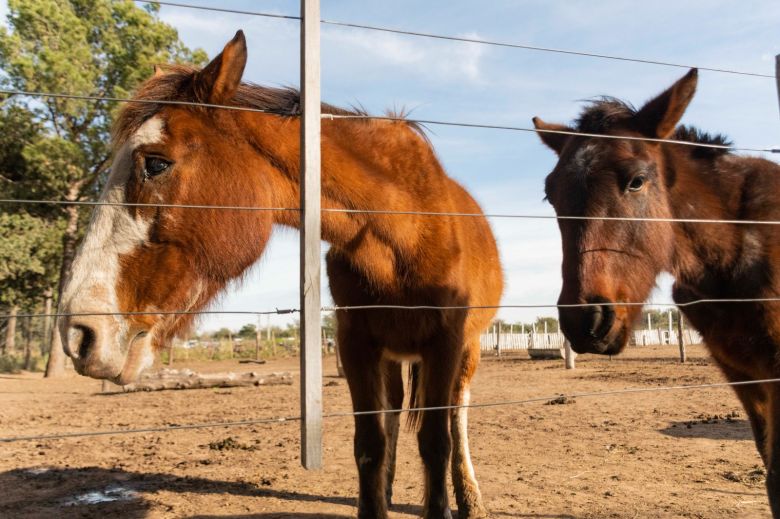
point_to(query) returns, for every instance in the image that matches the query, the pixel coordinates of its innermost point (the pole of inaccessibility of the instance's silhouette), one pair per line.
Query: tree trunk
(10, 331)
(27, 334)
(55, 367)
(46, 336)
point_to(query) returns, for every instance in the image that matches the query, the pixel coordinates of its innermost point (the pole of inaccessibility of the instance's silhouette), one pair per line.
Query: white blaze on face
(112, 232)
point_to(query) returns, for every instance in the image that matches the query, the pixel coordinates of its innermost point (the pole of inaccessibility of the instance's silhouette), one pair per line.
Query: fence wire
(329, 116)
(284, 419)
(404, 307)
(464, 39)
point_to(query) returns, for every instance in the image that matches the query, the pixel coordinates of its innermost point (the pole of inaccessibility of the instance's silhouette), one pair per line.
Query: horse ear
(555, 141)
(220, 79)
(659, 117)
(158, 71)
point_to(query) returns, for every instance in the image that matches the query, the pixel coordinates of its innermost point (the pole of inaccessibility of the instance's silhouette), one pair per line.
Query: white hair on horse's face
(113, 231)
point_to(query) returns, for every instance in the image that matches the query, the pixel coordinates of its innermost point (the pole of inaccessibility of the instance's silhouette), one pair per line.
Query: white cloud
(427, 58)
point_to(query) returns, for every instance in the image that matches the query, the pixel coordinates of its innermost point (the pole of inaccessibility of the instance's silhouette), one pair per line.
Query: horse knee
(434, 441)
(370, 446)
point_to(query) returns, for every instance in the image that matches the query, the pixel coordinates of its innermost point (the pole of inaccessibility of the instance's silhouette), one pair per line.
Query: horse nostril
(81, 339)
(600, 317)
(595, 318)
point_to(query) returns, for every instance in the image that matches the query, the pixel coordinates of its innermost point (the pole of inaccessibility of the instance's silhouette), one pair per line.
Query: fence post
(498, 339)
(777, 76)
(680, 338)
(310, 233)
(568, 354)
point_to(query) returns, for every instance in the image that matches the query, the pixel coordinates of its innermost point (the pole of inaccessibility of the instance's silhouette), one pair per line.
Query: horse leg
(394, 391)
(362, 366)
(754, 400)
(439, 368)
(467, 492)
(772, 448)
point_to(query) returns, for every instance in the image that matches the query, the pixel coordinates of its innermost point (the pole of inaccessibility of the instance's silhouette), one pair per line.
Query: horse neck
(703, 189)
(356, 176)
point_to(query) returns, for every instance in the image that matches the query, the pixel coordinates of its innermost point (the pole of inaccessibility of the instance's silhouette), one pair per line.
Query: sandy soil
(667, 454)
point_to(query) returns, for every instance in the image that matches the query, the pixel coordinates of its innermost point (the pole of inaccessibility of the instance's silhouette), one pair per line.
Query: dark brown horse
(163, 259)
(607, 262)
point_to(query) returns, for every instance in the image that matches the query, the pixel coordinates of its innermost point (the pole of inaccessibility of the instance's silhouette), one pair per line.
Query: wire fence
(463, 39)
(345, 414)
(367, 117)
(611, 304)
(334, 117)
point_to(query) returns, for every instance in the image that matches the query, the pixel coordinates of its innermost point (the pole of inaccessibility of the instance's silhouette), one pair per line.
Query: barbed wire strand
(284, 419)
(156, 312)
(402, 307)
(391, 212)
(87, 97)
(329, 116)
(770, 149)
(464, 39)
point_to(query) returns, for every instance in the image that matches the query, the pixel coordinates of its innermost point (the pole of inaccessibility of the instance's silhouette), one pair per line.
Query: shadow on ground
(93, 492)
(720, 430)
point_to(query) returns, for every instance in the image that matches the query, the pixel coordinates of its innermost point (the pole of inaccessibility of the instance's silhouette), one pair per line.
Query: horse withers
(143, 263)
(611, 261)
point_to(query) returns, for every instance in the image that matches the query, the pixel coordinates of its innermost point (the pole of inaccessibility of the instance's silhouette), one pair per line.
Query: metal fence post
(311, 355)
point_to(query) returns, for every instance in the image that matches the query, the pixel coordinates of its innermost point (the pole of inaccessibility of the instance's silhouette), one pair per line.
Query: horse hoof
(472, 512)
(444, 514)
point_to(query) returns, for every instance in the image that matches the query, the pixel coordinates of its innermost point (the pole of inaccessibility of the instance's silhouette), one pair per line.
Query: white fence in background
(491, 340)
(651, 337)
(520, 341)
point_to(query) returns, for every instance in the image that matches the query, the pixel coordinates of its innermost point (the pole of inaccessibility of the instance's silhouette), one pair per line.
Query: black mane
(606, 113)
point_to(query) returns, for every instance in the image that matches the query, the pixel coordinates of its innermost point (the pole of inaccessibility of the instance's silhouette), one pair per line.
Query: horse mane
(178, 83)
(606, 113)
(692, 134)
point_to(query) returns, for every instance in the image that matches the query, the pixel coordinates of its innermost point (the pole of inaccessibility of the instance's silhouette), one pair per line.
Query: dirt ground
(664, 454)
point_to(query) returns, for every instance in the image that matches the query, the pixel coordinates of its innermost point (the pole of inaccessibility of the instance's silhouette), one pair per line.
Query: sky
(475, 83)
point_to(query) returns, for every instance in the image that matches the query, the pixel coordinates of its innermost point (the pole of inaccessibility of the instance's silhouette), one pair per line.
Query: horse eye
(637, 183)
(153, 166)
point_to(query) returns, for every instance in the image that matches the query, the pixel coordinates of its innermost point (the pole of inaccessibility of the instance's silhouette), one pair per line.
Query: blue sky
(477, 83)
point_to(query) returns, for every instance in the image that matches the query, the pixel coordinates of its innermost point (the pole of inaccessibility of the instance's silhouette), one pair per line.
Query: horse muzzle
(101, 348)
(595, 328)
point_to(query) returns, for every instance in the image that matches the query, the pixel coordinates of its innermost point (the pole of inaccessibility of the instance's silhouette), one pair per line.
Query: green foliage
(248, 331)
(93, 47)
(29, 248)
(10, 364)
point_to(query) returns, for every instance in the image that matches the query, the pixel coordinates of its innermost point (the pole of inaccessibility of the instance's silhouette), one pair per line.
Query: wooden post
(680, 338)
(777, 76)
(568, 354)
(257, 345)
(498, 338)
(311, 357)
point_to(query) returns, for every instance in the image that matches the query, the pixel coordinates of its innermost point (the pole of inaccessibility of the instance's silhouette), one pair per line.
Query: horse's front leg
(772, 448)
(439, 367)
(754, 400)
(362, 366)
(394, 391)
(464, 480)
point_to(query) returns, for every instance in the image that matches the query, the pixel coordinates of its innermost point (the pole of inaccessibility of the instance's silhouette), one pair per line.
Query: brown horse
(162, 259)
(607, 262)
